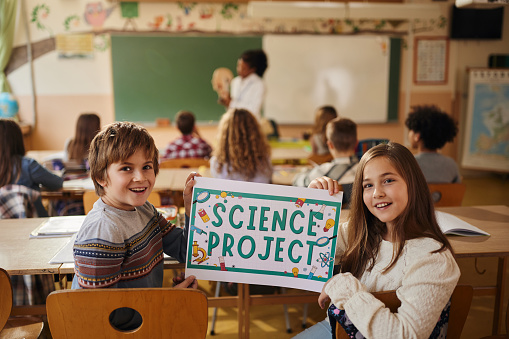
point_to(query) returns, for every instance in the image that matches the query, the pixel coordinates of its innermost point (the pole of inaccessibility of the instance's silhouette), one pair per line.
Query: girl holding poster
(392, 241)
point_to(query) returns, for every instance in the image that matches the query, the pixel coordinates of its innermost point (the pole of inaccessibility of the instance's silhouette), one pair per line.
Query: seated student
(391, 241)
(243, 152)
(76, 149)
(323, 115)
(190, 144)
(429, 130)
(341, 141)
(123, 237)
(16, 168)
(76, 154)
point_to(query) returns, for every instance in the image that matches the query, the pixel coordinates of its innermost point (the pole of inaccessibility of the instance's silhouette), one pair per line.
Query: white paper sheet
(64, 226)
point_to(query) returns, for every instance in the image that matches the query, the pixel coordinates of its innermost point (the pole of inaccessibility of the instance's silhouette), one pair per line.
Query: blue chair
(366, 144)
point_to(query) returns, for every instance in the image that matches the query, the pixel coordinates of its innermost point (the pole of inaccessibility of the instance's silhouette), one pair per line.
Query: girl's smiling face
(385, 193)
(129, 182)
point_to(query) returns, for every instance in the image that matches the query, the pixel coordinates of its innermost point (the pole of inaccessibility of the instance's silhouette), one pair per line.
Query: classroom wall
(68, 86)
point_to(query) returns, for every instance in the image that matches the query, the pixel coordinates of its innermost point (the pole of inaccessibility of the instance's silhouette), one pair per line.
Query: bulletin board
(156, 76)
(431, 60)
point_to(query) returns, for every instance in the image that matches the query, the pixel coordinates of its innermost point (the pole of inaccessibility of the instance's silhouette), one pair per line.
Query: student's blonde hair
(418, 220)
(115, 143)
(242, 147)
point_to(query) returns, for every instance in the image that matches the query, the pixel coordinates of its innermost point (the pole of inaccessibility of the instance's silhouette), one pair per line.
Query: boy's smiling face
(129, 182)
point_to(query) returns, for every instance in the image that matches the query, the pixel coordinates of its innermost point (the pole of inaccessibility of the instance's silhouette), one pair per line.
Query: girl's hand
(323, 300)
(325, 183)
(188, 191)
(190, 282)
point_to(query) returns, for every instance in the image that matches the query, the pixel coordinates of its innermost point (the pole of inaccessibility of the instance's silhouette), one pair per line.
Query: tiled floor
(268, 321)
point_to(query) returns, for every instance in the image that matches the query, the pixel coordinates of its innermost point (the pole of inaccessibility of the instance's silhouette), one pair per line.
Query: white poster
(262, 234)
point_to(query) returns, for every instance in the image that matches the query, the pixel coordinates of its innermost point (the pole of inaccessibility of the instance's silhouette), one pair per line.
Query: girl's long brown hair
(242, 147)
(418, 219)
(87, 126)
(12, 151)
(323, 115)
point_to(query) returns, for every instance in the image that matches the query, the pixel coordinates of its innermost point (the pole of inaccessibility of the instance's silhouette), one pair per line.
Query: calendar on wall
(431, 55)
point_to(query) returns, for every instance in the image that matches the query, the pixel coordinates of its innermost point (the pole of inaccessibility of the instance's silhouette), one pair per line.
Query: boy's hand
(188, 191)
(325, 183)
(190, 282)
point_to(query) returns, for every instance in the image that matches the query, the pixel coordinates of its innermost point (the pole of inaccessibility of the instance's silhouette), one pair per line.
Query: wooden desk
(20, 255)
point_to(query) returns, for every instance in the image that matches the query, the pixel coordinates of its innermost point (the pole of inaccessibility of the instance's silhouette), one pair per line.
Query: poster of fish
(262, 234)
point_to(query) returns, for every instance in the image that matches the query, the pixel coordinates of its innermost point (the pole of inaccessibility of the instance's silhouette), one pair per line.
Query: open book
(449, 224)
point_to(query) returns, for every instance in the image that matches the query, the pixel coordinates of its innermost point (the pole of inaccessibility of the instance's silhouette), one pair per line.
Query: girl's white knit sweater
(424, 282)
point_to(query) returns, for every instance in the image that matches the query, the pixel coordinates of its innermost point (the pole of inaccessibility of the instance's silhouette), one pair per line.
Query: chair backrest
(166, 312)
(319, 159)
(184, 163)
(5, 297)
(89, 198)
(365, 144)
(447, 194)
(460, 305)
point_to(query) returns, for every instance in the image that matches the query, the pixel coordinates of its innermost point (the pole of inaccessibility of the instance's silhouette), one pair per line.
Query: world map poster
(486, 143)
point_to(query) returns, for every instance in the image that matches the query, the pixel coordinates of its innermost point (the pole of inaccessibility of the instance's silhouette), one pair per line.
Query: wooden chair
(319, 159)
(460, 305)
(89, 198)
(447, 194)
(166, 313)
(184, 163)
(20, 327)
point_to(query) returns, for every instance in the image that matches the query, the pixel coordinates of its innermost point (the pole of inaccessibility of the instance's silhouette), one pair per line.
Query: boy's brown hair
(117, 142)
(342, 133)
(185, 122)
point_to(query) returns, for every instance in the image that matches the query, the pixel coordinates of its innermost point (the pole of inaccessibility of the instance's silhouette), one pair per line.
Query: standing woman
(16, 168)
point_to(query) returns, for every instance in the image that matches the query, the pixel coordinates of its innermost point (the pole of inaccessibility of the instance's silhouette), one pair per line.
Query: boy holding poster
(392, 241)
(122, 239)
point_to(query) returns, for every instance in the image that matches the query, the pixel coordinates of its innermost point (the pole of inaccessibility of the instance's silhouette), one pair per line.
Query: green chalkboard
(156, 76)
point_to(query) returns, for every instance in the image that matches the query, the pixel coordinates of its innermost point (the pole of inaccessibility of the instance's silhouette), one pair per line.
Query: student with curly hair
(429, 130)
(242, 152)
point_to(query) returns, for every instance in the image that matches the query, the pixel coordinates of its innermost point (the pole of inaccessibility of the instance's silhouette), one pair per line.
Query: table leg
(247, 304)
(499, 296)
(240, 309)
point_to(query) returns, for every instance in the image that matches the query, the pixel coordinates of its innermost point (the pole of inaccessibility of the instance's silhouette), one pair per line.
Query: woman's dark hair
(257, 59)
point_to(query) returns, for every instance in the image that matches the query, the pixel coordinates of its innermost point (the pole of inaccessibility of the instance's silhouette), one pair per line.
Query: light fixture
(338, 10)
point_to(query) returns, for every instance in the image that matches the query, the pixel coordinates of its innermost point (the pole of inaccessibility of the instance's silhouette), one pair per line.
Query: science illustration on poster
(262, 234)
